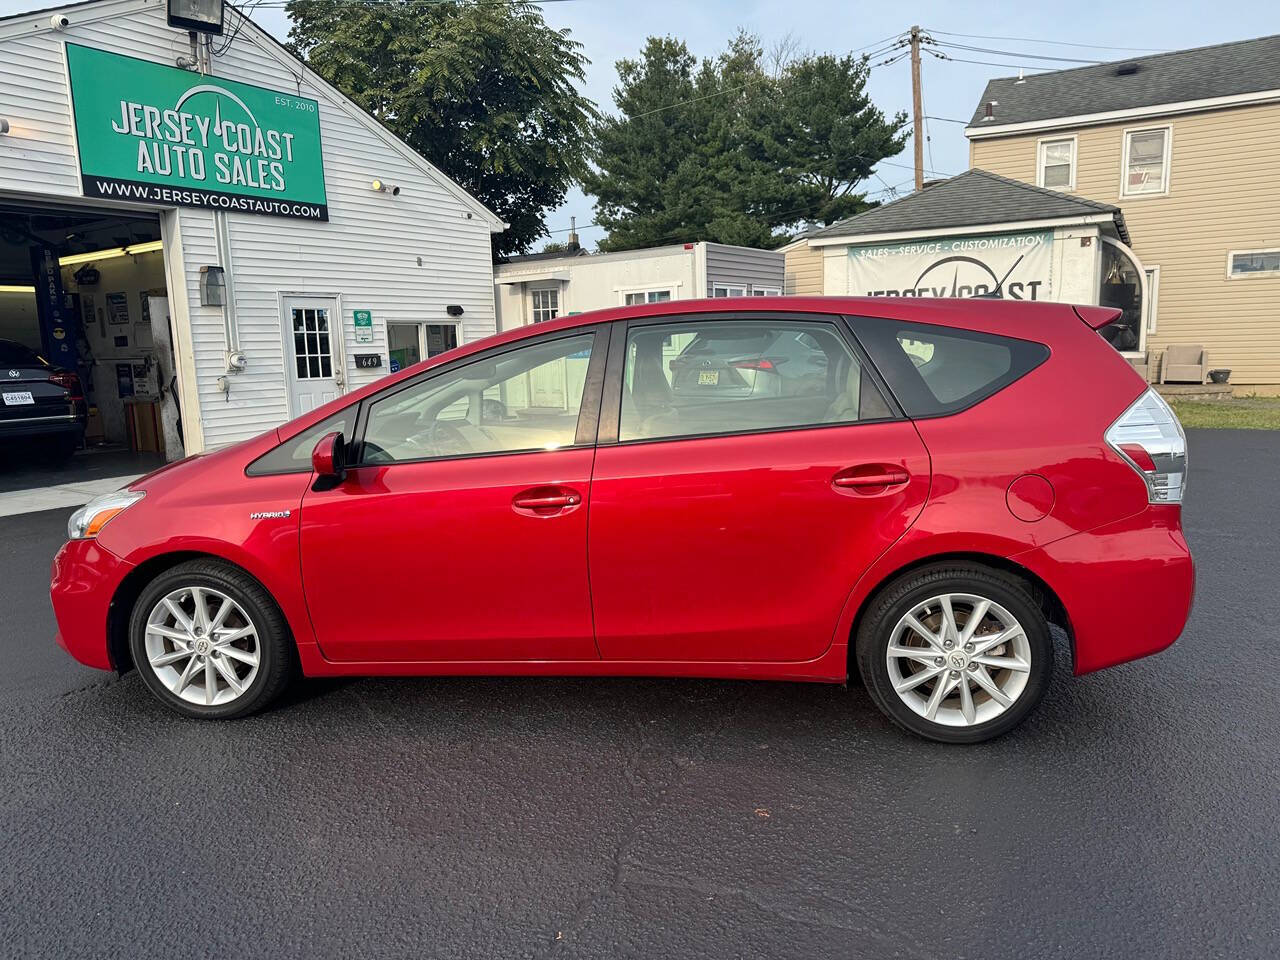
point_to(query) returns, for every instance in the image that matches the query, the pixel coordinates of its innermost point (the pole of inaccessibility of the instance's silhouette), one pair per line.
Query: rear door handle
(871, 475)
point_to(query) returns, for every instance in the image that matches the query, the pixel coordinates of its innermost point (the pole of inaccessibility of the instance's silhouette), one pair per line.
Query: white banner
(1020, 264)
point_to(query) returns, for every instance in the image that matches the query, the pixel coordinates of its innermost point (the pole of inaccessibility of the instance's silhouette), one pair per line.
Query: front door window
(526, 399)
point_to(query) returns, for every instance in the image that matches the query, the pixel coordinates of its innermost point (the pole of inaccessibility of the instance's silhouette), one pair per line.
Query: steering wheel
(444, 439)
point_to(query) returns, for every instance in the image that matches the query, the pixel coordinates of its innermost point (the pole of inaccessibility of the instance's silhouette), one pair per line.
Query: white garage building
(223, 244)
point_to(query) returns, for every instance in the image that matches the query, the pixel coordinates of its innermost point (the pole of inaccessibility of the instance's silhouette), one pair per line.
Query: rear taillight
(1149, 436)
(759, 363)
(68, 381)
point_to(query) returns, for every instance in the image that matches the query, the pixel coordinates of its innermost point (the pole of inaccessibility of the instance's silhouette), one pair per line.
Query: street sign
(149, 133)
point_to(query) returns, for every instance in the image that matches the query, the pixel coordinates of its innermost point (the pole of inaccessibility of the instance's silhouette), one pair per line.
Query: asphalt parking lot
(1135, 815)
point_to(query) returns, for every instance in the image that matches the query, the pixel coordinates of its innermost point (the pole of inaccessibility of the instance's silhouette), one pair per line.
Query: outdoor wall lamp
(4, 125)
(381, 186)
(201, 16)
(454, 309)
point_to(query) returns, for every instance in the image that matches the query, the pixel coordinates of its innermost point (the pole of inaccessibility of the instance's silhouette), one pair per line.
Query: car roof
(1019, 318)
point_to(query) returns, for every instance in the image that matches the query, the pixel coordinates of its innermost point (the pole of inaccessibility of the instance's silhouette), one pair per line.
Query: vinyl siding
(803, 270)
(1224, 194)
(404, 258)
(743, 266)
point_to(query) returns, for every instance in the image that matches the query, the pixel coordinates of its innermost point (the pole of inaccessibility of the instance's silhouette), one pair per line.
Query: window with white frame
(765, 291)
(646, 296)
(725, 290)
(1056, 163)
(1253, 263)
(1146, 162)
(546, 304)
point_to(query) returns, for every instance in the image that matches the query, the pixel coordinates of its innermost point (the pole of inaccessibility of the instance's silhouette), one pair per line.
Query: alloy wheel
(202, 646)
(958, 659)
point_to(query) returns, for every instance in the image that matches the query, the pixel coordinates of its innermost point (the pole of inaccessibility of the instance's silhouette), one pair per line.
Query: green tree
(486, 91)
(674, 165)
(823, 134)
(731, 151)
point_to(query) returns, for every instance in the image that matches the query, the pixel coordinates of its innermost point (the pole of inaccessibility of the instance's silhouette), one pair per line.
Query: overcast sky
(611, 30)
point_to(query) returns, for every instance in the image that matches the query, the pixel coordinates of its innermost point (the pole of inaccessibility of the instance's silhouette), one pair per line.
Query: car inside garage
(87, 376)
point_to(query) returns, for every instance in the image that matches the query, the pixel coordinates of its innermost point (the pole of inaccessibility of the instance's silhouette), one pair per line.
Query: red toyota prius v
(790, 489)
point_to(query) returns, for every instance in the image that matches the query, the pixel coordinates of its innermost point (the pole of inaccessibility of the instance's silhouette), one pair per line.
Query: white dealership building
(214, 237)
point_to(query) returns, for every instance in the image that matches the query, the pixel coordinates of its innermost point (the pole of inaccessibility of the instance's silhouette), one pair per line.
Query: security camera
(59, 21)
(395, 191)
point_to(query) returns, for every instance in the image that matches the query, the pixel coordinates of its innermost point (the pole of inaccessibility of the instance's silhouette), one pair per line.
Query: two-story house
(1185, 144)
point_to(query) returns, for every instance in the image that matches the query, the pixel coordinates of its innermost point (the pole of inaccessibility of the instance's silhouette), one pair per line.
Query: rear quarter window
(935, 371)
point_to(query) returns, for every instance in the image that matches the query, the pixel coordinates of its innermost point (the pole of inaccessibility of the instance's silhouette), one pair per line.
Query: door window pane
(523, 400)
(737, 376)
(311, 347)
(1146, 170)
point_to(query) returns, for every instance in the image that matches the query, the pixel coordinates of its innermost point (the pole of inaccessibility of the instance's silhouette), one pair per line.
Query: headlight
(86, 522)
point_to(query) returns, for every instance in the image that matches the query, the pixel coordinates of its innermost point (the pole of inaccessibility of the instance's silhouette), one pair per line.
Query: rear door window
(706, 377)
(935, 370)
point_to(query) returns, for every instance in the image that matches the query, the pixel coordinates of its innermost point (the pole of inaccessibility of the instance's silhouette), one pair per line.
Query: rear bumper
(41, 425)
(1127, 586)
(83, 581)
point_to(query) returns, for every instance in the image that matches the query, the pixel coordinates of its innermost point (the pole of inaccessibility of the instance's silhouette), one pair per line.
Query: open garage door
(88, 391)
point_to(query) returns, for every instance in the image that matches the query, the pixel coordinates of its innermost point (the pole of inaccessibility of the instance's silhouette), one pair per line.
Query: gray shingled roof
(1223, 70)
(974, 198)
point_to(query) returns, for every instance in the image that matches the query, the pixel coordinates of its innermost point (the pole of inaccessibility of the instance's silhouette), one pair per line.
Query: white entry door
(315, 358)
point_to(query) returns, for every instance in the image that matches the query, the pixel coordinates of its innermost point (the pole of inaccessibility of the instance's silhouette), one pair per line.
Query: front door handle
(870, 478)
(552, 500)
(546, 501)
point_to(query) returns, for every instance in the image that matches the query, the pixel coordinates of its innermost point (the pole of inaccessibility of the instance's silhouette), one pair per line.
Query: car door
(731, 524)
(460, 532)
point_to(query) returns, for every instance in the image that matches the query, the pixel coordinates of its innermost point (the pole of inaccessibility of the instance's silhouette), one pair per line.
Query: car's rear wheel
(209, 641)
(958, 653)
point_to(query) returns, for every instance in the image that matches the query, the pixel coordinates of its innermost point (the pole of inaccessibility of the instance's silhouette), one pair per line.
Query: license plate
(708, 378)
(18, 398)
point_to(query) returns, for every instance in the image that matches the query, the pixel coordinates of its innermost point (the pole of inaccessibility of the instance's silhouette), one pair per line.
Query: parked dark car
(40, 404)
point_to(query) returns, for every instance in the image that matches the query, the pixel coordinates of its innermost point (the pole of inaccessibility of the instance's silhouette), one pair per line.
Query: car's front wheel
(209, 641)
(958, 653)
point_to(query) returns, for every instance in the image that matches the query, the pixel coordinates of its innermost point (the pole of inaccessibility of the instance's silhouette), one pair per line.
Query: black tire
(278, 655)
(900, 596)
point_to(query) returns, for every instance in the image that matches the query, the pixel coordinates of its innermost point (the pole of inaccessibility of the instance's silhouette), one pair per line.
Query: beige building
(1185, 145)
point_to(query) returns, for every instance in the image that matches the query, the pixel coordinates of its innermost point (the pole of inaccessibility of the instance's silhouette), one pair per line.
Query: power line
(948, 119)
(1015, 53)
(878, 43)
(988, 63)
(1061, 43)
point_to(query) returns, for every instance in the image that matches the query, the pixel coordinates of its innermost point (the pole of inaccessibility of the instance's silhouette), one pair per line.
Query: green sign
(156, 134)
(364, 325)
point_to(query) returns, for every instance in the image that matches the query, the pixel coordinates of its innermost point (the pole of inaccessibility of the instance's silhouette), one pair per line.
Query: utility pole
(916, 109)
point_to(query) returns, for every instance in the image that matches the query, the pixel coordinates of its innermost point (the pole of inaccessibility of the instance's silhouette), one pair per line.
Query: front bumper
(83, 581)
(1127, 586)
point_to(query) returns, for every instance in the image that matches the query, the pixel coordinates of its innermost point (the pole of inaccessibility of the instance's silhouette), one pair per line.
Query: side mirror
(329, 458)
